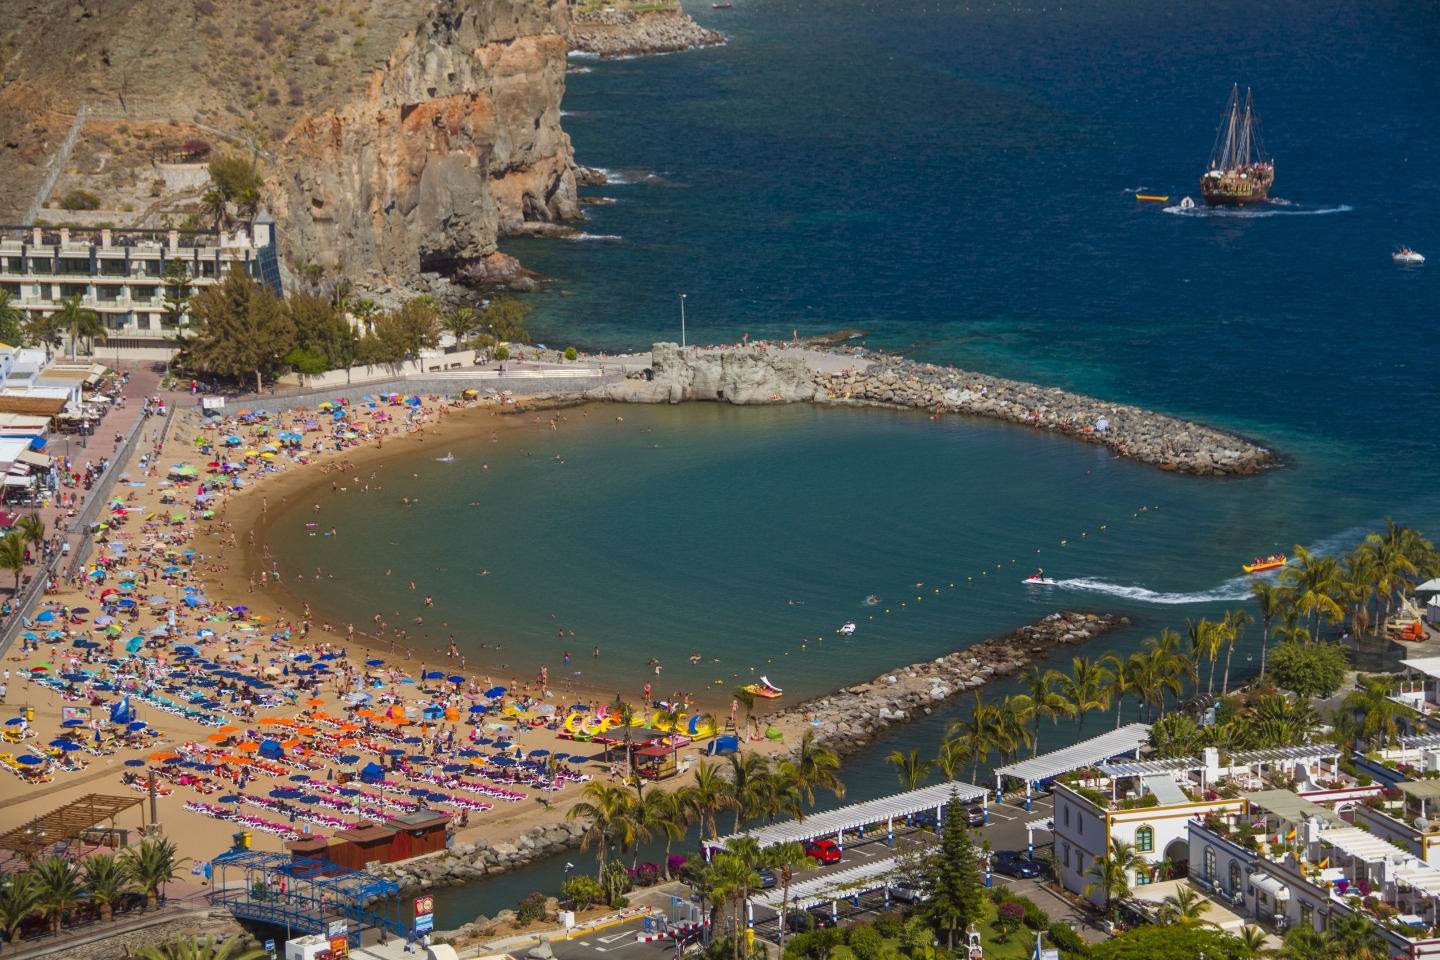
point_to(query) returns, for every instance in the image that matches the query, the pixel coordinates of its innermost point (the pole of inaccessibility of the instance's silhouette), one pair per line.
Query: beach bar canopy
(1128, 739)
(831, 887)
(857, 816)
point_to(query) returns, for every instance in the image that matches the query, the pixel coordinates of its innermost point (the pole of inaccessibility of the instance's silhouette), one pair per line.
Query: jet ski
(848, 629)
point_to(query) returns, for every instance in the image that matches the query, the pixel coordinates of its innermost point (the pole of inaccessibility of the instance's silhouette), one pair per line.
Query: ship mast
(1242, 149)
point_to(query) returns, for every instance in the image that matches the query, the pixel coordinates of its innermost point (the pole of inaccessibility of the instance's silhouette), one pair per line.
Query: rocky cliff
(677, 374)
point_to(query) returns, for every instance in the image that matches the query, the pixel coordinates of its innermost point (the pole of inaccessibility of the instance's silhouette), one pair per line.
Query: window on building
(1307, 914)
(1065, 858)
(1142, 877)
(1210, 864)
(1079, 822)
(1234, 878)
(112, 268)
(74, 266)
(1067, 816)
(68, 290)
(207, 268)
(108, 291)
(12, 265)
(1145, 840)
(11, 288)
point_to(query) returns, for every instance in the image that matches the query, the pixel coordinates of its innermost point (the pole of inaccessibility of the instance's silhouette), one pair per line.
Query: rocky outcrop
(455, 144)
(626, 33)
(735, 376)
(846, 721)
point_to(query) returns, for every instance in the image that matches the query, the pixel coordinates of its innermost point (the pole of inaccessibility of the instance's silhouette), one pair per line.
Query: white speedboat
(1187, 204)
(1039, 581)
(1406, 255)
(848, 629)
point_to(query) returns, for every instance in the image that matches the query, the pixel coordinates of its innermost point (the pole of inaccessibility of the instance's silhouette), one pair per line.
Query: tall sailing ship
(1237, 175)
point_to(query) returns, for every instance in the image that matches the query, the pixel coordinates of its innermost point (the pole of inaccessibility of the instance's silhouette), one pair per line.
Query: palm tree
(952, 756)
(910, 768)
(1112, 871)
(31, 529)
(746, 699)
(667, 813)
(732, 878)
(1015, 711)
(610, 812)
(12, 556)
(60, 888)
(1270, 599)
(80, 321)
(106, 881)
(1045, 700)
(787, 857)
(1379, 714)
(748, 786)
(19, 898)
(1124, 679)
(1084, 689)
(247, 201)
(1184, 907)
(199, 948)
(1355, 937)
(626, 719)
(1165, 668)
(1205, 642)
(813, 767)
(215, 203)
(151, 865)
(365, 310)
(1232, 628)
(459, 323)
(1253, 938)
(980, 732)
(1316, 581)
(708, 796)
(12, 321)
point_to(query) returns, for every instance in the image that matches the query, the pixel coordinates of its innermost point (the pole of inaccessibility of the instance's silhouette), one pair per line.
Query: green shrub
(799, 945)
(865, 943)
(530, 909)
(1309, 669)
(1069, 942)
(502, 353)
(570, 353)
(888, 925)
(307, 361)
(584, 890)
(80, 200)
(1035, 918)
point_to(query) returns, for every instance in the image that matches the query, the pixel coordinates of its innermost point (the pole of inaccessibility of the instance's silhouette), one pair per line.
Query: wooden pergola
(67, 822)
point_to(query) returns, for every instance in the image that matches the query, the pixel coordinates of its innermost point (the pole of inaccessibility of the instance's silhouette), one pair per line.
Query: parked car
(1015, 863)
(974, 817)
(803, 921)
(826, 851)
(907, 893)
(767, 878)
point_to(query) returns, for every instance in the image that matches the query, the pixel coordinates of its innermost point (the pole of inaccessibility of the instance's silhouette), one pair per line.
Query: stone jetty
(847, 720)
(477, 859)
(767, 374)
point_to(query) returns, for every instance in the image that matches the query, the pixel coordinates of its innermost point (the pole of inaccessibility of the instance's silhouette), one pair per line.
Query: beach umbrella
(230, 798)
(134, 763)
(561, 756)
(479, 708)
(455, 679)
(65, 745)
(73, 723)
(494, 692)
(45, 617)
(350, 758)
(28, 760)
(284, 793)
(539, 753)
(411, 740)
(300, 778)
(374, 663)
(395, 753)
(434, 675)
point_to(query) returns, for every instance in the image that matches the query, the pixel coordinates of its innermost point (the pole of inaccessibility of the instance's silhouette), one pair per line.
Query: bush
(502, 353)
(584, 890)
(1008, 917)
(647, 874)
(570, 353)
(1067, 940)
(1309, 669)
(865, 943)
(307, 361)
(80, 200)
(530, 909)
(1035, 918)
(799, 945)
(888, 925)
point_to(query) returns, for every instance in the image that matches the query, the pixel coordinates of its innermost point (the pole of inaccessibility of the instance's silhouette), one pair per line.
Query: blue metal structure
(305, 893)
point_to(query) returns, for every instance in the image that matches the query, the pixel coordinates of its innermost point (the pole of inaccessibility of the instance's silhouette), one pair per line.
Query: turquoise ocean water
(958, 181)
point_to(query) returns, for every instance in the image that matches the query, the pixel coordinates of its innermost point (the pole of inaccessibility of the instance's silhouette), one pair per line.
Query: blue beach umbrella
(395, 753)
(433, 675)
(479, 708)
(455, 679)
(494, 692)
(412, 740)
(134, 763)
(137, 725)
(28, 760)
(374, 663)
(230, 798)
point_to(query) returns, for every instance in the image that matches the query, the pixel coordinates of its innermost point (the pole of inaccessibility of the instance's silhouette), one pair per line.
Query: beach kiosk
(657, 761)
(419, 832)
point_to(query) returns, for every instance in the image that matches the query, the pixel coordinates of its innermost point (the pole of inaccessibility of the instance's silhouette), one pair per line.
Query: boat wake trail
(1200, 210)
(1231, 590)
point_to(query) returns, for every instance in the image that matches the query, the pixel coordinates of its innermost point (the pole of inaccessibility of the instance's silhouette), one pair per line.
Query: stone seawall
(767, 375)
(847, 720)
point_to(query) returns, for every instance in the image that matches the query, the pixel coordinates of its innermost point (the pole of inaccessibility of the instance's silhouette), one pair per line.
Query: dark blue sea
(959, 182)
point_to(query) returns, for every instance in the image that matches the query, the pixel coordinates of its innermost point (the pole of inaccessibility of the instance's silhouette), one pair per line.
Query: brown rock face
(455, 144)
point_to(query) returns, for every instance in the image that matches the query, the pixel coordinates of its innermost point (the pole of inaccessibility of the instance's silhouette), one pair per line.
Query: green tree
(611, 812)
(19, 899)
(1317, 581)
(43, 330)
(749, 784)
(1112, 871)
(1170, 943)
(12, 321)
(707, 796)
(1270, 599)
(1185, 907)
(813, 768)
(746, 699)
(584, 890)
(31, 529)
(216, 205)
(232, 176)
(952, 757)
(106, 882)
(911, 770)
(1379, 715)
(505, 319)
(979, 732)
(1084, 689)
(1311, 670)
(1232, 628)
(957, 893)
(787, 858)
(459, 323)
(1124, 680)
(151, 865)
(366, 310)
(60, 888)
(80, 322)
(177, 294)
(667, 813)
(240, 329)
(12, 557)
(199, 948)
(320, 331)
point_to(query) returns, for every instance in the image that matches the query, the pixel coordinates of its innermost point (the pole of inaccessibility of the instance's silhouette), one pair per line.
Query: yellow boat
(1150, 196)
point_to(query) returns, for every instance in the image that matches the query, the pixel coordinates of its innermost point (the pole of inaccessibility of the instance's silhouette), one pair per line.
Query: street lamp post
(682, 320)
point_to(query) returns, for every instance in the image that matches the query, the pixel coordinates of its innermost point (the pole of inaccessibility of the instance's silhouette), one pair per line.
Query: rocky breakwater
(628, 33)
(454, 145)
(1153, 438)
(477, 859)
(846, 721)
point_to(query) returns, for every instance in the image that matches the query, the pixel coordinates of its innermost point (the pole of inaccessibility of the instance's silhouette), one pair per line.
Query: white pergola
(1361, 845)
(858, 816)
(832, 886)
(1128, 739)
(1048, 825)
